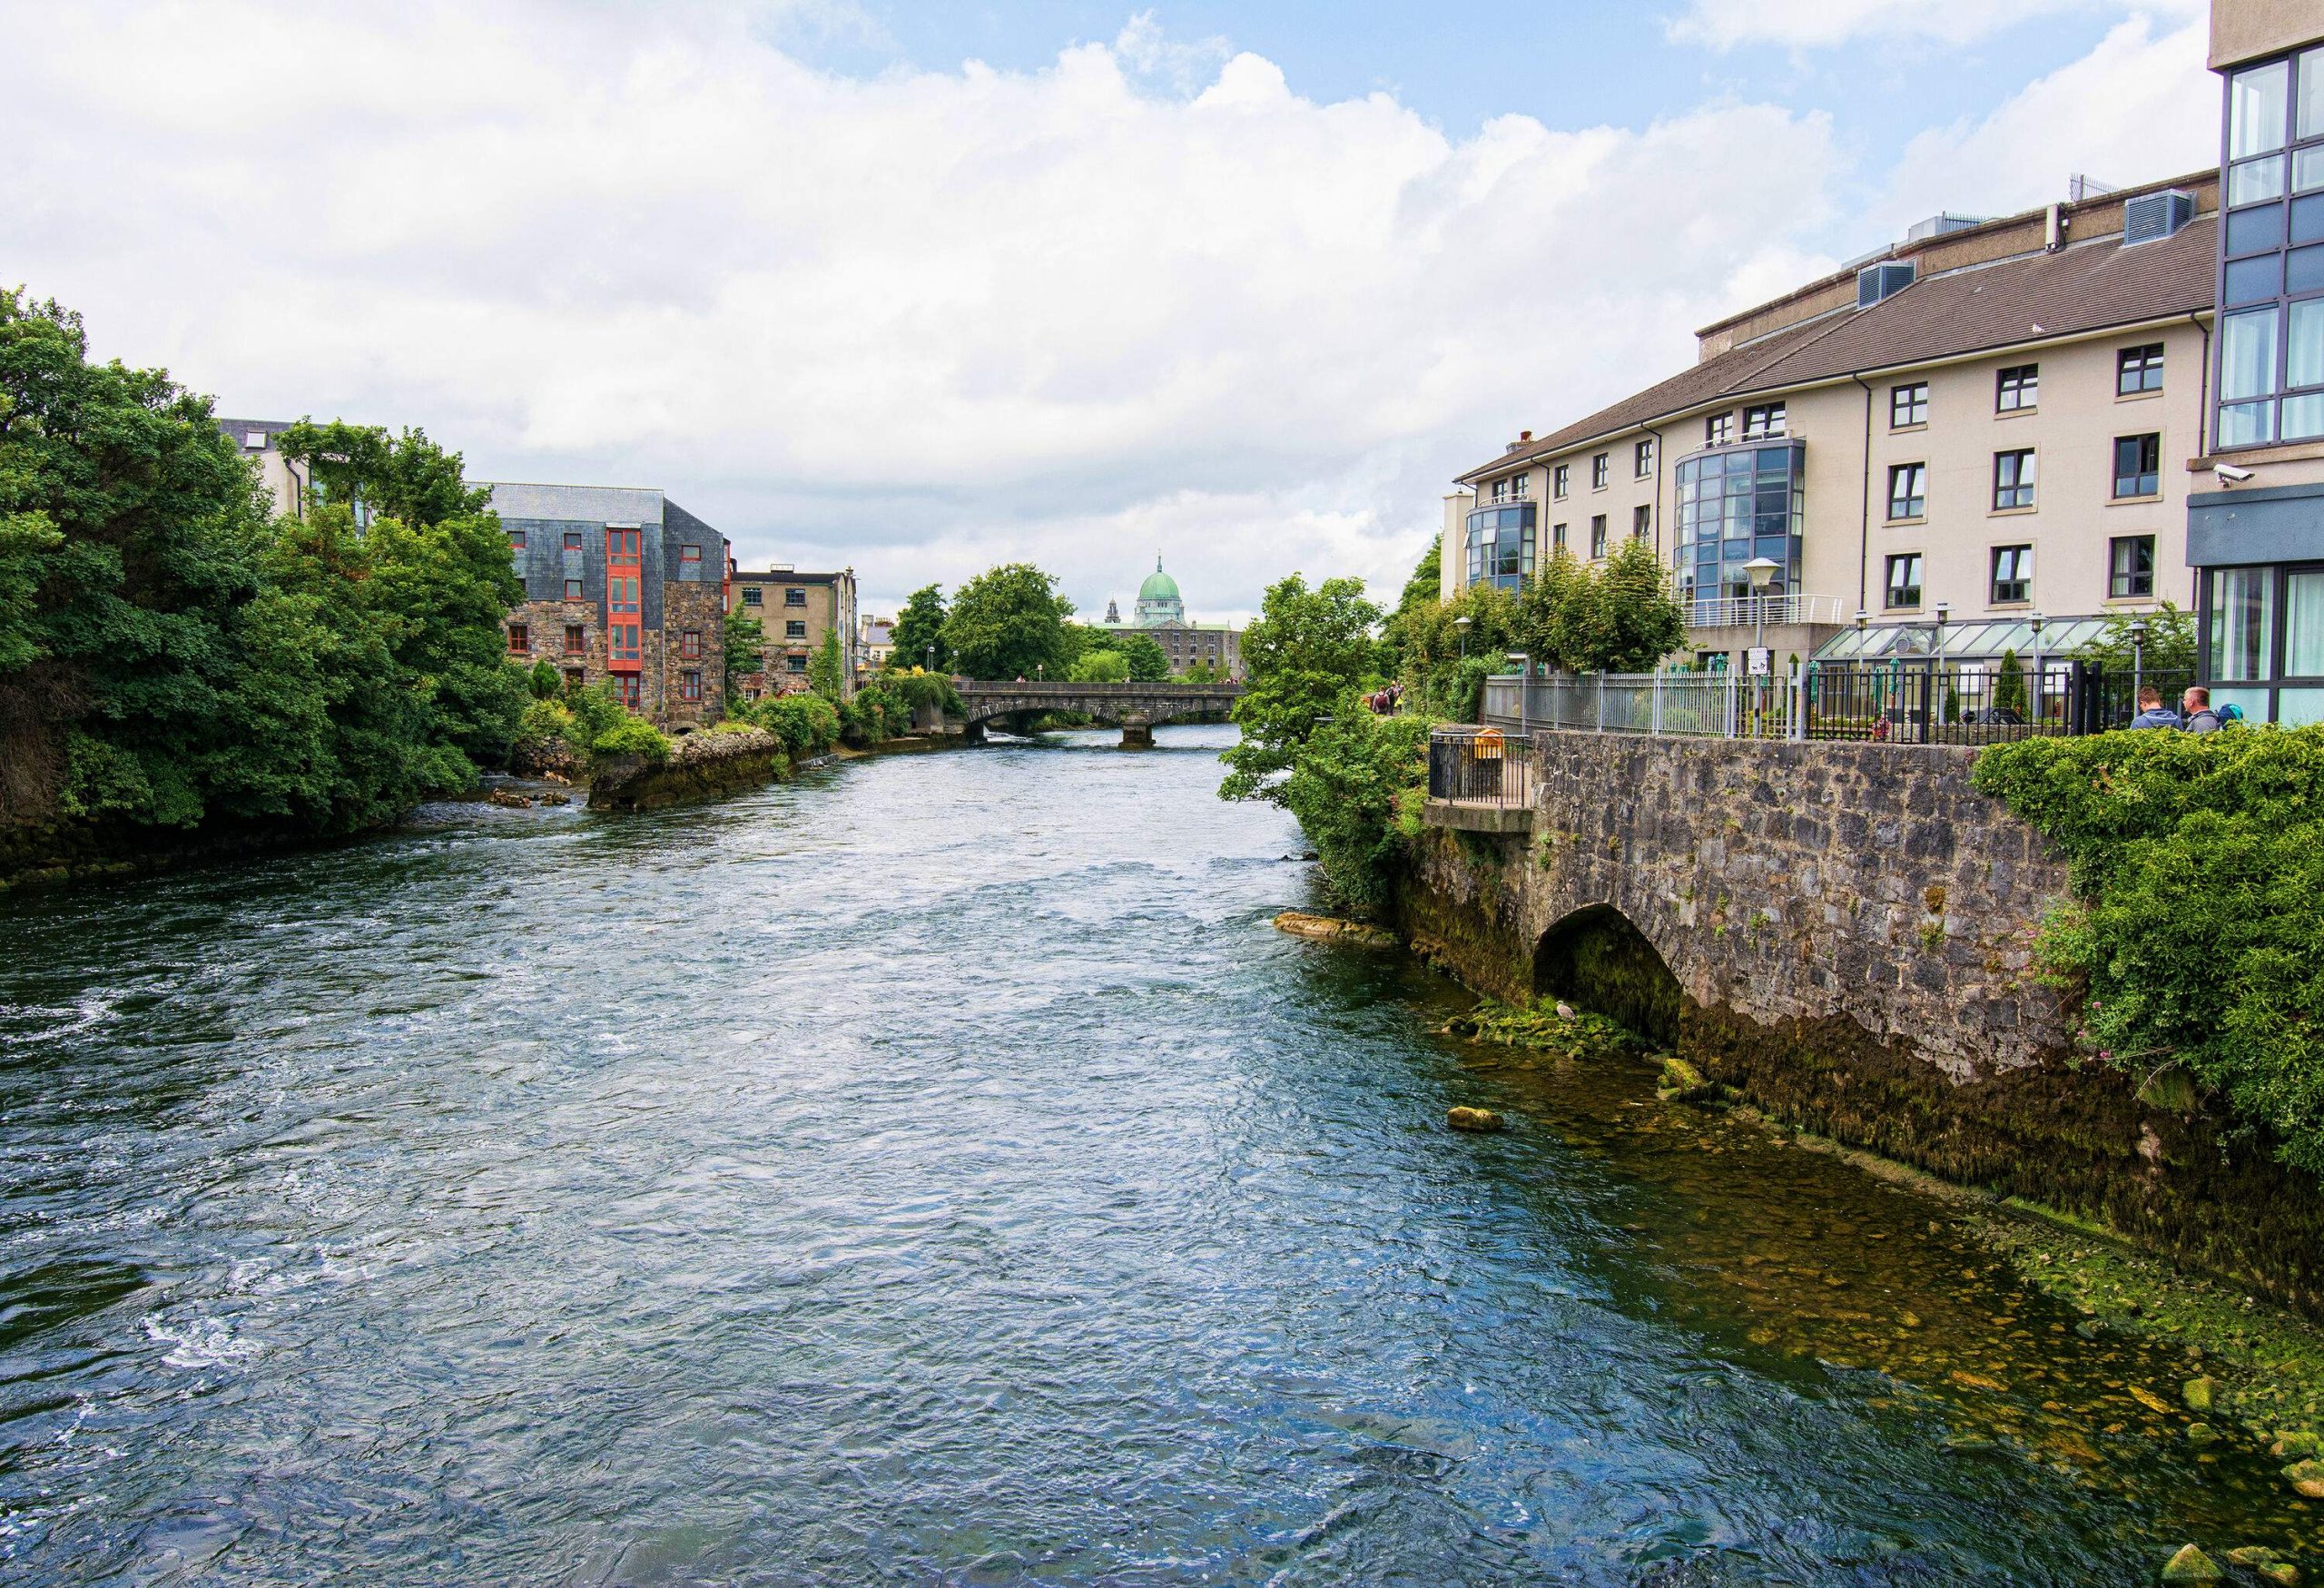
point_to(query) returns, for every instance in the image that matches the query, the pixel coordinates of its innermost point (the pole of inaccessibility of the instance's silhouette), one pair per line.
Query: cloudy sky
(921, 285)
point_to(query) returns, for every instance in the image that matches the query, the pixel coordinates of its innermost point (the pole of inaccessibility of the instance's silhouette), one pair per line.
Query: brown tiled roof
(2086, 288)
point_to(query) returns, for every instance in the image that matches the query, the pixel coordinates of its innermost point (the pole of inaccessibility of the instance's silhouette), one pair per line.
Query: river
(938, 1170)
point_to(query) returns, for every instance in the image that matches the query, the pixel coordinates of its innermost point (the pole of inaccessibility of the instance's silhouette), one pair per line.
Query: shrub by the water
(808, 725)
(633, 736)
(1358, 787)
(2195, 935)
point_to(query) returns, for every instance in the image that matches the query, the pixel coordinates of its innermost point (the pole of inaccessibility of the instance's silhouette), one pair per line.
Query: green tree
(2009, 684)
(1148, 661)
(1445, 666)
(920, 627)
(1009, 621)
(444, 587)
(1306, 651)
(825, 669)
(2169, 646)
(1099, 668)
(1629, 619)
(406, 477)
(544, 682)
(744, 643)
(1422, 591)
(1357, 789)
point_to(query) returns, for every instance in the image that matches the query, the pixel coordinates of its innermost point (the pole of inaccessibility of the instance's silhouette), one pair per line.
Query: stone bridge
(1843, 934)
(1135, 708)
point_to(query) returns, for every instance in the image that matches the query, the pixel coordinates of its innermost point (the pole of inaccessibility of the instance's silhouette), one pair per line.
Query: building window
(1732, 507)
(2013, 578)
(794, 628)
(1559, 479)
(574, 677)
(515, 541)
(1904, 582)
(2013, 479)
(1907, 490)
(573, 589)
(2138, 369)
(1600, 471)
(689, 554)
(626, 689)
(689, 643)
(1598, 535)
(2017, 387)
(1719, 429)
(573, 540)
(1500, 546)
(625, 641)
(1642, 459)
(519, 641)
(752, 596)
(795, 663)
(689, 683)
(1557, 538)
(795, 597)
(577, 639)
(621, 593)
(1762, 421)
(2130, 562)
(2138, 466)
(1522, 486)
(1908, 405)
(621, 546)
(1641, 522)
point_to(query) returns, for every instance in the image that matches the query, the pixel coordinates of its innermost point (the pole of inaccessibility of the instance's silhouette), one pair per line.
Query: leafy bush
(808, 725)
(633, 736)
(2194, 934)
(1308, 650)
(2170, 645)
(543, 721)
(544, 682)
(1100, 667)
(1358, 787)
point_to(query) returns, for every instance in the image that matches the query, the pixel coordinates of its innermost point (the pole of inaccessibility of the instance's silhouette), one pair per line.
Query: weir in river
(938, 1169)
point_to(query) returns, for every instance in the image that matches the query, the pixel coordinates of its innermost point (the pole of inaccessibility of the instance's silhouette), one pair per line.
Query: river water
(937, 1170)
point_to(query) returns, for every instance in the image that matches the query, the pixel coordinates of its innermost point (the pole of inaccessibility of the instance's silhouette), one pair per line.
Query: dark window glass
(2307, 219)
(573, 589)
(577, 639)
(795, 628)
(2130, 565)
(515, 541)
(2014, 480)
(2013, 573)
(1641, 522)
(2255, 230)
(1642, 460)
(1719, 429)
(2255, 280)
(752, 596)
(1908, 405)
(2138, 369)
(573, 540)
(2138, 466)
(689, 554)
(517, 637)
(1598, 535)
(1599, 471)
(1763, 421)
(2017, 387)
(795, 597)
(1904, 580)
(1559, 479)
(1907, 490)
(1557, 537)
(796, 664)
(690, 685)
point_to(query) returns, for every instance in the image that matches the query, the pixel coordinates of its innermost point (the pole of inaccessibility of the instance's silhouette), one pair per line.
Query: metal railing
(1901, 701)
(1745, 611)
(1479, 766)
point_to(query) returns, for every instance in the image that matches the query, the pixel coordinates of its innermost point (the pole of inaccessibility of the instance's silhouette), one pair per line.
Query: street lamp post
(1525, 687)
(2034, 621)
(931, 658)
(1760, 570)
(1463, 625)
(2138, 661)
(1930, 717)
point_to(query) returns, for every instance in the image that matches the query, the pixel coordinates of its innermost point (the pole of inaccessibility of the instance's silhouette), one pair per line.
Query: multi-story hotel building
(623, 587)
(1989, 420)
(2255, 523)
(796, 611)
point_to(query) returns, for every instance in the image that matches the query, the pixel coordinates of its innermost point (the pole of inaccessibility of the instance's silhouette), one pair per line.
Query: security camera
(2230, 475)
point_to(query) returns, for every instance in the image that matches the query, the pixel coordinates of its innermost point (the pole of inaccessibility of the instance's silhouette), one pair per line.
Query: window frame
(520, 640)
(2147, 442)
(1642, 459)
(794, 628)
(573, 590)
(1909, 397)
(1766, 422)
(1601, 471)
(753, 596)
(2017, 389)
(1719, 428)
(1915, 501)
(2116, 577)
(2024, 478)
(2021, 555)
(1889, 587)
(1560, 481)
(2148, 370)
(573, 540)
(794, 596)
(1641, 520)
(577, 640)
(689, 643)
(689, 683)
(1599, 543)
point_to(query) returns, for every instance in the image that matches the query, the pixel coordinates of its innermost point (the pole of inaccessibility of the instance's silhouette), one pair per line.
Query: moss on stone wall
(1598, 960)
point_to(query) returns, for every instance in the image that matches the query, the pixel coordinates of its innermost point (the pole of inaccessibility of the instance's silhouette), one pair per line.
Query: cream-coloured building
(1992, 418)
(795, 612)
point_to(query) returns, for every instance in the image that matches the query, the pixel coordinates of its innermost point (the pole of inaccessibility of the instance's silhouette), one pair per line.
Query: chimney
(1525, 436)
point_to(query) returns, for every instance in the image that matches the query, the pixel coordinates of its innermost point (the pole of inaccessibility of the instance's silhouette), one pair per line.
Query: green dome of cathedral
(1158, 586)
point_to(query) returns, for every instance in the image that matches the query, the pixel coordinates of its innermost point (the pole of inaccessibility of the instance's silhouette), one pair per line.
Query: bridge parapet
(984, 701)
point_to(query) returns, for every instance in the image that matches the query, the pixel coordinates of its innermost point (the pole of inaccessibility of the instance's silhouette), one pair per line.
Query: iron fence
(1900, 701)
(1479, 766)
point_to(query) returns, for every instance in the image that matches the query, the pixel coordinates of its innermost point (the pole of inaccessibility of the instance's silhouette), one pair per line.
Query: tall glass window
(2271, 353)
(2243, 619)
(1734, 505)
(1500, 546)
(2256, 98)
(2304, 624)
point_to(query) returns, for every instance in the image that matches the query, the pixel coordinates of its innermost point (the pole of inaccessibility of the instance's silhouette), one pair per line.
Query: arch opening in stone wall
(1596, 958)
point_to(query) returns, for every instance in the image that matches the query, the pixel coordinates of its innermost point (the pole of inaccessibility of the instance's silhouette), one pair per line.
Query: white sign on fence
(1761, 661)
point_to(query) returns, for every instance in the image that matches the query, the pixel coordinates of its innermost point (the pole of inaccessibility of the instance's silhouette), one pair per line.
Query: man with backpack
(2152, 712)
(2201, 716)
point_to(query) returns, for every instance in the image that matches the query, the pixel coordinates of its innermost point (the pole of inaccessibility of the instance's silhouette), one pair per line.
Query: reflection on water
(938, 1170)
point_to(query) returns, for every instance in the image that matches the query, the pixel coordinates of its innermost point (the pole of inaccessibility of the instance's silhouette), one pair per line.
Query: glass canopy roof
(1977, 640)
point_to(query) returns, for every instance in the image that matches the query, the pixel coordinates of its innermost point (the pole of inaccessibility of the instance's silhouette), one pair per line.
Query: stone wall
(700, 767)
(1842, 934)
(696, 607)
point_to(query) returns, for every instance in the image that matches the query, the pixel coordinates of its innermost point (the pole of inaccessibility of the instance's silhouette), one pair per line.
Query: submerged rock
(2190, 1565)
(2264, 1562)
(1332, 928)
(2307, 1477)
(1682, 1081)
(2198, 1393)
(1466, 1119)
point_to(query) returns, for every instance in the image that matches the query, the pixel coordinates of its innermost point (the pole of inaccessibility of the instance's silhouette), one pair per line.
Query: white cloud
(1820, 24)
(915, 323)
(2137, 108)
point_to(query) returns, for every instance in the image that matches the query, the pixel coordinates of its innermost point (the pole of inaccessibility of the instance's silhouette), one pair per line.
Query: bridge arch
(1598, 958)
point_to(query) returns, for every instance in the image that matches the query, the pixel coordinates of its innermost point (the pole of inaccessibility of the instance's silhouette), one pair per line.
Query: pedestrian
(2152, 712)
(2195, 706)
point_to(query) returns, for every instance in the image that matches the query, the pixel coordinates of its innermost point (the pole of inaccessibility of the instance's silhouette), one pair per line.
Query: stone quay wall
(700, 767)
(1843, 935)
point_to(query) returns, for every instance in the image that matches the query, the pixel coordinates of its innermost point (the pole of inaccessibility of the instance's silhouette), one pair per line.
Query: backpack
(2230, 713)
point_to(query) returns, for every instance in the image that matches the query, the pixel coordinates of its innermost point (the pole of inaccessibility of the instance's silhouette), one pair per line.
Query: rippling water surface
(937, 1170)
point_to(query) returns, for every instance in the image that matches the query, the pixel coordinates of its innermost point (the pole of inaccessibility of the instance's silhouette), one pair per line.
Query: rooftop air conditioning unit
(2151, 217)
(1885, 279)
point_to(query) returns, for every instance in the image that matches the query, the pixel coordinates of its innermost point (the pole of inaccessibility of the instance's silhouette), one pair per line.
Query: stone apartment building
(1987, 422)
(797, 610)
(623, 587)
(2255, 523)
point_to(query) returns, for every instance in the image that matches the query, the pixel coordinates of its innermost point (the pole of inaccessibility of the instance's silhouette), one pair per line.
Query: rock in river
(1331, 929)
(1475, 1119)
(2190, 1565)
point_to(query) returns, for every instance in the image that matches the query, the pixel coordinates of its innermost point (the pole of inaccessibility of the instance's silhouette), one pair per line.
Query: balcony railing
(1479, 766)
(1746, 611)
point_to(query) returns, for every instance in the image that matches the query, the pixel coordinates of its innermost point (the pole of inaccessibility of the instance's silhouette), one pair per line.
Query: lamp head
(1862, 619)
(1462, 624)
(1762, 570)
(2034, 621)
(1944, 612)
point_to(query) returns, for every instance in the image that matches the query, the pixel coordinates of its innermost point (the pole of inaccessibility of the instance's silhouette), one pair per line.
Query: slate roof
(2083, 289)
